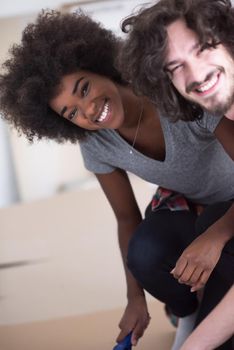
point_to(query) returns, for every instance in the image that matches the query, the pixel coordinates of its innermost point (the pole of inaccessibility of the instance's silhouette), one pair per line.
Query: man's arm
(216, 328)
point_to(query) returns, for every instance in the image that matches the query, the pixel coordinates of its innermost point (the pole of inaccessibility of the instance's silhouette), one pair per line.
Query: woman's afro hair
(55, 45)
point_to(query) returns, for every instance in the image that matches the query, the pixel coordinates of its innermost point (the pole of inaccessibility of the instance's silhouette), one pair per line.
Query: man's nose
(196, 73)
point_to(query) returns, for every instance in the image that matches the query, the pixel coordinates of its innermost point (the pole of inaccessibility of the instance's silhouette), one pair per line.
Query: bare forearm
(216, 328)
(120, 195)
(204, 252)
(126, 231)
(136, 316)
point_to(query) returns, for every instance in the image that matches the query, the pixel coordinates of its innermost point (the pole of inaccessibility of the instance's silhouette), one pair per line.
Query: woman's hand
(135, 318)
(198, 260)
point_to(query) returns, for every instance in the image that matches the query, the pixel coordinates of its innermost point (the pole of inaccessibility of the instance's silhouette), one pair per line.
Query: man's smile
(208, 86)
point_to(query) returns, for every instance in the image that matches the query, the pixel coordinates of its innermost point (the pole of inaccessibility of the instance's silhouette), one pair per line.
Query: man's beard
(214, 107)
(220, 108)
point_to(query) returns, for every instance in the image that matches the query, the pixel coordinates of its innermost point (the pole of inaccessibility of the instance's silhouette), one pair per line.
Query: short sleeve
(92, 157)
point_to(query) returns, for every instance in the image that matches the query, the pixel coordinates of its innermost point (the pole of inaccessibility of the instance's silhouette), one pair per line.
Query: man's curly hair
(143, 55)
(55, 45)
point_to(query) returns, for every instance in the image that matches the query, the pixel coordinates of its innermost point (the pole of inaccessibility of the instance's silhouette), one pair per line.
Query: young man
(180, 53)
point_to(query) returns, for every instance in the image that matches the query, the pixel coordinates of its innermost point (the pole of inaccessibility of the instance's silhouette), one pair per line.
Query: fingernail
(172, 270)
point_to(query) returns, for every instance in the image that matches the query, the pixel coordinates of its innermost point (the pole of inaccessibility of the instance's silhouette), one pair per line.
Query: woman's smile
(105, 113)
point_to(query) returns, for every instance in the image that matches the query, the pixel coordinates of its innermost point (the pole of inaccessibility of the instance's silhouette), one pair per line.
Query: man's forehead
(180, 40)
(179, 33)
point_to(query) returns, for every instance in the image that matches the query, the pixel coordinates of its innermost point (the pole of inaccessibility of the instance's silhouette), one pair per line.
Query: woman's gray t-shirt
(195, 164)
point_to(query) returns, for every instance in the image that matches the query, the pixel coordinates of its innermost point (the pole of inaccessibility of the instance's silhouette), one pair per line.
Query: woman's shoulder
(100, 143)
(98, 137)
(97, 149)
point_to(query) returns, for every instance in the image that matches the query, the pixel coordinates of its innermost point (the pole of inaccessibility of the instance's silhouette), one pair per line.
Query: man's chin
(218, 109)
(210, 107)
(215, 111)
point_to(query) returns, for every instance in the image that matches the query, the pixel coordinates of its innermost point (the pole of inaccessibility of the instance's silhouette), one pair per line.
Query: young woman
(61, 83)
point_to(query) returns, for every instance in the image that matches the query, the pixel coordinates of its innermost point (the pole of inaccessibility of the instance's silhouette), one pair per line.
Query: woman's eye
(73, 114)
(85, 89)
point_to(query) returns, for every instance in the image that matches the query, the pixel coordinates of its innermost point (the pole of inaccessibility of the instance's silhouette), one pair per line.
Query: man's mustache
(196, 84)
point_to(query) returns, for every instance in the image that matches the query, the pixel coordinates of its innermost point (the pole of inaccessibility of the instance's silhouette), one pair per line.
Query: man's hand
(198, 260)
(135, 318)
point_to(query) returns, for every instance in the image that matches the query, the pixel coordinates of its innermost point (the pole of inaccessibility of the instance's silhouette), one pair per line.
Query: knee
(144, 253)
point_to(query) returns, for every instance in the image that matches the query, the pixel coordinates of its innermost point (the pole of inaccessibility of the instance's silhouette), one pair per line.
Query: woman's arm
(198, 260)
(216, 328)
(119, 193)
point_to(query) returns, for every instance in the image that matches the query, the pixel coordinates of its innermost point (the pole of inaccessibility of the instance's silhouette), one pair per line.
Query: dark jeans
(158, 243)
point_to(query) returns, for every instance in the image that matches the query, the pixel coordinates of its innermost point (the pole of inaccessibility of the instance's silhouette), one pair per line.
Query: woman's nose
(88, 109)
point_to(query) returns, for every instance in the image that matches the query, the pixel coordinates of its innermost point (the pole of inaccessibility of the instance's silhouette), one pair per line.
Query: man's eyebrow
(77, 85)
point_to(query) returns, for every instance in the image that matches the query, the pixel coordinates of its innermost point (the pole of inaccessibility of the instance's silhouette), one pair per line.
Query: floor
(87, 332)
(61, 277)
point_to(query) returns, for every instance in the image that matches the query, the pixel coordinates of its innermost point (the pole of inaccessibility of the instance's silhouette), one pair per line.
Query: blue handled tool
(124, 344)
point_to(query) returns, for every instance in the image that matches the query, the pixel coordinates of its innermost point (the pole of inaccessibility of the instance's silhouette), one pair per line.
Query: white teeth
(208, 85)
(104, 113)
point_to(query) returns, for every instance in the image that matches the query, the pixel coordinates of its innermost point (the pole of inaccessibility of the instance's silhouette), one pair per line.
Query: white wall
(44, 167)
(8, 183)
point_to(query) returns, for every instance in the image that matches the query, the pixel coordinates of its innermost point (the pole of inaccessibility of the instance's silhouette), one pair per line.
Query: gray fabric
(196, 164)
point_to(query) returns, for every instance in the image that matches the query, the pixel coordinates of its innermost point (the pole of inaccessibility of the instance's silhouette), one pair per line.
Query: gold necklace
(137, 128)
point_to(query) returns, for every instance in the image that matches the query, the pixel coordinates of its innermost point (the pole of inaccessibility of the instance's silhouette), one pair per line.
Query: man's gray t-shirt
(195, 164)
